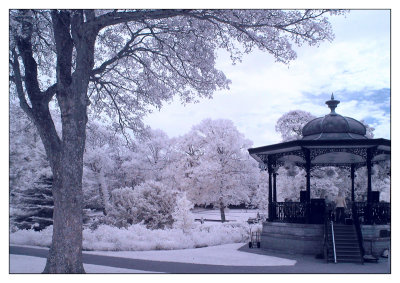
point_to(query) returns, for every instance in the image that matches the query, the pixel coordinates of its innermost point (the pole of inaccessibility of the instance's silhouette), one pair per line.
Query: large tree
(222, 172)
(120, 62)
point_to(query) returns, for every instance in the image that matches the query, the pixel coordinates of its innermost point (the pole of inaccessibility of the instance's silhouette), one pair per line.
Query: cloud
(355, 67)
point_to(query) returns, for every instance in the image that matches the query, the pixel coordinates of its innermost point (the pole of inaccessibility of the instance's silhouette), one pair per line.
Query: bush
(139, 238)
(150, 203)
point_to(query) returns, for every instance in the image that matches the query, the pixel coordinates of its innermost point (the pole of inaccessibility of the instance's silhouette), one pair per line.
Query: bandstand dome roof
(332, 140)
(333, 126)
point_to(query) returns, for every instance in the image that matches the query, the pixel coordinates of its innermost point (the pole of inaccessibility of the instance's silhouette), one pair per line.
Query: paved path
(305, 264)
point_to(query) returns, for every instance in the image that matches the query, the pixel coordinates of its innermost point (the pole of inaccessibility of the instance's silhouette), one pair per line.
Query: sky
(355, 67)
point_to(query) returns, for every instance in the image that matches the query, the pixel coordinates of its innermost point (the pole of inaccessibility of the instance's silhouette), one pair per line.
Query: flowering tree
(119, 62)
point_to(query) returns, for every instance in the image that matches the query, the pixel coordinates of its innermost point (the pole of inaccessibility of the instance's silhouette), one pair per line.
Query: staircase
(346, 244)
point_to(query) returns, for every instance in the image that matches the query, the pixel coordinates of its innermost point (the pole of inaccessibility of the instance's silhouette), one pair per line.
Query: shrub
(151, 203)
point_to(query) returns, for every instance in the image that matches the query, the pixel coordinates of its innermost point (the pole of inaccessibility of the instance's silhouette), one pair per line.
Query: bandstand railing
(372, 213)
(289, 212)
(304, 212)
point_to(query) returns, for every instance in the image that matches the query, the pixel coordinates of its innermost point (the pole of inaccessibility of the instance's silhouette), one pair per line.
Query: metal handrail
(333, 243)
(326, 245)
(358, 231)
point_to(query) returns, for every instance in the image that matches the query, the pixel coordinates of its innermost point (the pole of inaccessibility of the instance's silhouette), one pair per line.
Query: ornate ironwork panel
(379, 151)
(321, 166)
(298, 153)
(263, 157)
(380, 213)
(314, 152)
(372, 213)
(358, 151)
(290, 212)
(360, 209)
(273, 159)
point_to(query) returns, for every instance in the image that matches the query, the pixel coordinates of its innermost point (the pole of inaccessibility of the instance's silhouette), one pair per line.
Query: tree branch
(114, 18)
(64, 45)
(18, 83)
(49, 93)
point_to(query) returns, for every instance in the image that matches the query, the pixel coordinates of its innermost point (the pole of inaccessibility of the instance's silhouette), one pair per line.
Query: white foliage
(291, 124)
(139, 238)
(151, 203)
(32, 238)
(215, 166)
(101, 155)
(183, 217)
(150, 157)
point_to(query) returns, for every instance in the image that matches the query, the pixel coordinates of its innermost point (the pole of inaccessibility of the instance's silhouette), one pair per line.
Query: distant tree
(369, 130)
(31, 200)
(290, 125)
(101, 163)
(28, 159)
(220, 171)
(120, 62)
(33, 206)
(381, 181)
(149, 158)
(259, 198)
(290, 181)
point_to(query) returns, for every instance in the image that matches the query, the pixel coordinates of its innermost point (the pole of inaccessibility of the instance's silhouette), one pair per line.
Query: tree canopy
(120, 62)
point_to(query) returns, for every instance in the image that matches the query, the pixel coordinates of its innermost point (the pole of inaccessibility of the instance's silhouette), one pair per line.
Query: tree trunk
(66, 154)
(104, 194)
(65, 254)
(222, 210)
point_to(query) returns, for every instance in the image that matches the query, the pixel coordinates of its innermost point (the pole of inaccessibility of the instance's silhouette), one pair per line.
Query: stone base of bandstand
(305, 239)
(308, 239)
(373, 242)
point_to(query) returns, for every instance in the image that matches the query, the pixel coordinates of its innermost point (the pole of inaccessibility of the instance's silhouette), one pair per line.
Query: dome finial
(332, 104)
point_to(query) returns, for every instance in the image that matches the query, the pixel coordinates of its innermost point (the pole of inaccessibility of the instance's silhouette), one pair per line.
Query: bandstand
(305, 227)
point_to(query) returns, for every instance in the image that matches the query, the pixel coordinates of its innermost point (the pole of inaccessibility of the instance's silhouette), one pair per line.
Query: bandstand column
(308, 184)
(270, 205)
(308, 174)
(369, 173)
(352, 175)
(274, 186)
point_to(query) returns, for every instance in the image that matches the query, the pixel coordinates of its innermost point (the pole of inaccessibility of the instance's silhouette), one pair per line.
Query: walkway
(305, 264)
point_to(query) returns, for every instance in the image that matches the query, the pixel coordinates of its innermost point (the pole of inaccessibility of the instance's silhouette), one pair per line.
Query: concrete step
(345, 233)
(345, 241)
(346, 260)
(345, 257)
